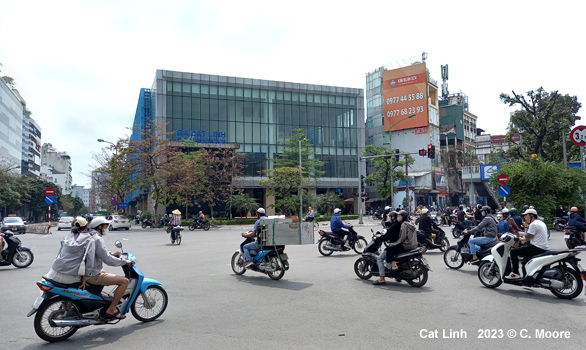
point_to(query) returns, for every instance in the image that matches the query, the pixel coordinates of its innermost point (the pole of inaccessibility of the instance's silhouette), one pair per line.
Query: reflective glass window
(196, 108)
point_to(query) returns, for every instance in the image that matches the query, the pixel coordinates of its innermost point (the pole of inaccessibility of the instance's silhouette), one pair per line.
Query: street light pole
(300, 185)
(115, 149)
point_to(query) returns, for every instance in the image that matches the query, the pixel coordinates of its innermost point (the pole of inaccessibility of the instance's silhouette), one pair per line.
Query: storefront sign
(422, 130)
(440, 181)
(202, 136)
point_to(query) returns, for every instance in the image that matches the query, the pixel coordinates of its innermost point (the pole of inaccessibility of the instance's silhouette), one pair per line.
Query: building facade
(31, 146)
(56, 165)
(11, 121)
(257, 116)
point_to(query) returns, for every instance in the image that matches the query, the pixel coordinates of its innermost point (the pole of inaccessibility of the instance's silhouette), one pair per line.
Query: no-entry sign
(503, 179)
(49, 191)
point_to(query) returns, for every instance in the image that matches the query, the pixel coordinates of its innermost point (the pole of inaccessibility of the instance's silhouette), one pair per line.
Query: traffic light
(362, 189)
(422, 152)
(431, 151)
(397, 155)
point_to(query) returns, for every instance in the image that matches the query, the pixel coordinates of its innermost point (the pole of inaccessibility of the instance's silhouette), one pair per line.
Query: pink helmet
(574, 210)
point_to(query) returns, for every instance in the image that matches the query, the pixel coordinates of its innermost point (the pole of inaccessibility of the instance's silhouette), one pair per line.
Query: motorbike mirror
(371, 231)
(118, 244)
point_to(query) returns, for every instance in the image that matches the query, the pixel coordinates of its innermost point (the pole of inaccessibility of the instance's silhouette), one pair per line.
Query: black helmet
(525, 207)
(403, 213)
(393, 214)
(478, 206)
(486, 208)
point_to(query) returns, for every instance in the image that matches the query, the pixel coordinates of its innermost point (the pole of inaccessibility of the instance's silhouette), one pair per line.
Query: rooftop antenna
(405, 63)
(445, 92)
(423, 56)
(398, 64)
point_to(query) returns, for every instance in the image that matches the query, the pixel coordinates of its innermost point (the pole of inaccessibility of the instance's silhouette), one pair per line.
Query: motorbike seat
(92, 288)
(488, 245)
(409, 253)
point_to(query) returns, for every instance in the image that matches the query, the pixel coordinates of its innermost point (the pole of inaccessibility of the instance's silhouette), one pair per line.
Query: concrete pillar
(269, 200)
(472, 194)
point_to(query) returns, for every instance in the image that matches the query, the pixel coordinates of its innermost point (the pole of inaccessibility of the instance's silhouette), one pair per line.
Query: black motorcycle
(14, 253)
(148, 223)
(196, 224)
(458, 254)
(413, 267)
(377, 216)
(573, 237)
(458, 229)
(559, 223)
(428, 242)
(330, 243)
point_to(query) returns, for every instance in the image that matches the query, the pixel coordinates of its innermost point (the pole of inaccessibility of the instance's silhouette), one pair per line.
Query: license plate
(14, 228)
(123, 222)
(38, 302)
(284, 256)
(566, 236)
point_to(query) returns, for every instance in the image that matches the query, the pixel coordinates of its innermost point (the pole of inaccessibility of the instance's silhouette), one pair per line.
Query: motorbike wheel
(168, 229)
(191, 227)
(548, 233)
(144, 225)
(573, 284)
(453, 259)
(238, 264)
(363, 268)
(206, 227)
(322, 249)
(22, 258)
(558, 226)
(56, 308)
(445, 244)
(150, 305)
(456, 232)
(570, 244)
(279, 272)
(110, 228)
(178, 239)
(489, 275)
(374, 217)
(421, 272)
(360, 245)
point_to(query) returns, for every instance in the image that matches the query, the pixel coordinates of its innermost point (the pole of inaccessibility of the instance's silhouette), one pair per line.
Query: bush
(146, 215)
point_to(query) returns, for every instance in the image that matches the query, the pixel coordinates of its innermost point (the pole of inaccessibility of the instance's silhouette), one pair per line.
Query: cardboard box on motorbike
(285, 232)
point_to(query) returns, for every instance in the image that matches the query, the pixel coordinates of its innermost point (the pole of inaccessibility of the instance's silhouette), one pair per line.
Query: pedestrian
(310, 215)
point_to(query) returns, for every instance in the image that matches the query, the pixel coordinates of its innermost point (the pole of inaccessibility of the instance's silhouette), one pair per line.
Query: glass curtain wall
(260, 120)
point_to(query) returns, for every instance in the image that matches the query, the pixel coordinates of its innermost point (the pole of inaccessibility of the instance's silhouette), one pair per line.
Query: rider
(407, 239)
(310, 215)
(461, 216)
(175, 221)
(98, 254)
(427, 226)
(201, 217)
(490, 227)
(337, 225)
(575, 219)
(516, 218)
(536, 236)
(393, 231)
(260, 214)
(386, 213)
(478, 214)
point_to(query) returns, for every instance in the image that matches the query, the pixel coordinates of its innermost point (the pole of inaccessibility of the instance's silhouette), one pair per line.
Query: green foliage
(290, 157)
(146, 215)
(325, 203)
(383, 172)
(243, 204)
(545, 185)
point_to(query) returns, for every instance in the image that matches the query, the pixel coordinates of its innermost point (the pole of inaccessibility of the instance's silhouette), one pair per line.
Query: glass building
(257, 116)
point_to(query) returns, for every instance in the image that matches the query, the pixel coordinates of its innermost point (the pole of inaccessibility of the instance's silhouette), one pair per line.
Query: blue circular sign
(504, 190)
(50, 199)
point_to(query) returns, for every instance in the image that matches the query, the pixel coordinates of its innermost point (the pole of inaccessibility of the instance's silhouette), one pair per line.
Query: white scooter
(558, 271)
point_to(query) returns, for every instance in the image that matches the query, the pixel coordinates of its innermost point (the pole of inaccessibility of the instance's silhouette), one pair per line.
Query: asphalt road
(320, 303)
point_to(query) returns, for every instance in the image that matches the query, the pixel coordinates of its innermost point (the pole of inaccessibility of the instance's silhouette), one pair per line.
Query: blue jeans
(475, 243)
(380, 261)
(247, 248)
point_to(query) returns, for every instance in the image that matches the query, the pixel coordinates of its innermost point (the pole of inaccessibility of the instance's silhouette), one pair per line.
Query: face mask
(483, 213)
(399, 218)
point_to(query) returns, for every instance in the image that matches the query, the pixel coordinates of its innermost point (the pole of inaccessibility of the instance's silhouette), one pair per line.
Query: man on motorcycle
(427, 226)
(575, 219)
(201, 217)
(337, 226)
(260, 214)
(536, 236)
(516, 218)
(407, 239)
(461, 215)
(98, 254)
(490, 227)
(393, 228)
(175, 221)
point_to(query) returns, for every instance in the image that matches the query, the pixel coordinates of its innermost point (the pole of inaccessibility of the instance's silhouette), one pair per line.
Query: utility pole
(407, 187)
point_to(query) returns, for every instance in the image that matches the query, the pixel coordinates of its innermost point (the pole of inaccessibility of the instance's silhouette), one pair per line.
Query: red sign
(578, 135)
(49, 191)
(503, 179)
(422, 130)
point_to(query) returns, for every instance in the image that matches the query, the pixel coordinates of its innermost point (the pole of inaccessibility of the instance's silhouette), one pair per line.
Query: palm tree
(326, 203)
(243, 204)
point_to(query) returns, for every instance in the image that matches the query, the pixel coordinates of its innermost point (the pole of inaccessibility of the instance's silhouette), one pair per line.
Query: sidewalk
(325, 225)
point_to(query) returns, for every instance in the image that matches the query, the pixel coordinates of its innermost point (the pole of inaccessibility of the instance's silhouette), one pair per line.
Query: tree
(290, 156)
(243, 204)
(119, 170)
(542, 119)
(281, 183)
(325, 203)
(545, 185)
(381, 176)
(183, 175)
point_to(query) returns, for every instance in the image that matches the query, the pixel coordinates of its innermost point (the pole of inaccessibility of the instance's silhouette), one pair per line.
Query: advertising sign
(440, 181)
(405, 93)
(487, 170)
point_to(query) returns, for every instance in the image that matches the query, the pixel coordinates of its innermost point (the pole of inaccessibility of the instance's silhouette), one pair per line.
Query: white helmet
(337, 210)
(505, 211)
(387, 208)
(260, 211)
(97, 222)
(424, 211)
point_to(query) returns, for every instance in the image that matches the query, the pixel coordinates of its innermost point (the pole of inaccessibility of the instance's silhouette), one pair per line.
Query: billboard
(486, 171)
(405, 93)
(440, 181)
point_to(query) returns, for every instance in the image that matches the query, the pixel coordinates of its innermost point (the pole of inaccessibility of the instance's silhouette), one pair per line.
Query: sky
(80, 65)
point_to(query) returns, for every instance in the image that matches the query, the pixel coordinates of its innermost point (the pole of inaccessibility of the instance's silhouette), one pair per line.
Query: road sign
(50, 199)
(503, 179)
(114, 202)
(504, 190)
(122, 205)
(578, 135)
(49, 191)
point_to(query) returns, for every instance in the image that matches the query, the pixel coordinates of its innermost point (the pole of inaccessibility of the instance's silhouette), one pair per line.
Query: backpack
(503, 226)
(71, 257)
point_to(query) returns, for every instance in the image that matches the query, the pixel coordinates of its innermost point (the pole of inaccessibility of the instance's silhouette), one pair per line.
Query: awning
(372, 200)
(418, 173)
(349, 201)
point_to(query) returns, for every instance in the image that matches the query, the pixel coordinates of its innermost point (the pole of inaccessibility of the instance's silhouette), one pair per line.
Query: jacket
(71, 253)
(336, 223)
(98, 254)
(407, 237)
(576, 220)
(489, 225)
(426, 223)
(393, 232)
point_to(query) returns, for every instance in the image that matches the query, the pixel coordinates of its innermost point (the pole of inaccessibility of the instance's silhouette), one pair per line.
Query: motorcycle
(330, 243)
(62, 309)
(423, 240)
(377, 216)
(559, 223)
(175, 234)
(270, 260)
(558, 271)
(458, 254)
(457, 230)
(413, 267)
(14, 253)
(148, 223)
(164, 222)
(195, 224)
(573, 237)
(137, 220)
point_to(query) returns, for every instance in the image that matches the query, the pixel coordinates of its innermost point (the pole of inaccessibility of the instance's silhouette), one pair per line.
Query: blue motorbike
(62, 309)
(270, 260)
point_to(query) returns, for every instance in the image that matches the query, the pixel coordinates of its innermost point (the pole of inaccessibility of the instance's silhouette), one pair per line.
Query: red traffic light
(422, 152)
(429, 147)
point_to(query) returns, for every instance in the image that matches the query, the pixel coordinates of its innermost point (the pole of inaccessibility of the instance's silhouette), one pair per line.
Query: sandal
(115, 316)
(377, 282)
(394, 268)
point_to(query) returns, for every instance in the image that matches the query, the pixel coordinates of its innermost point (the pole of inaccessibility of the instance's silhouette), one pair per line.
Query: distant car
(14, 224)
(118, 221)
(65, 223)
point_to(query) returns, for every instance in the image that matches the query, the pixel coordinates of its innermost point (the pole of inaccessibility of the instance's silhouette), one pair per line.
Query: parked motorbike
(458, 254)
(573, 237)
(423, 240)
(270, 260)
(14, 253)
(559, 223)
(330, 243)
(175, 234)
(558, 271)
(195, 224)
(62, 309)
(413, 267)
(164, 222)
(148, 223)
(377, 216)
